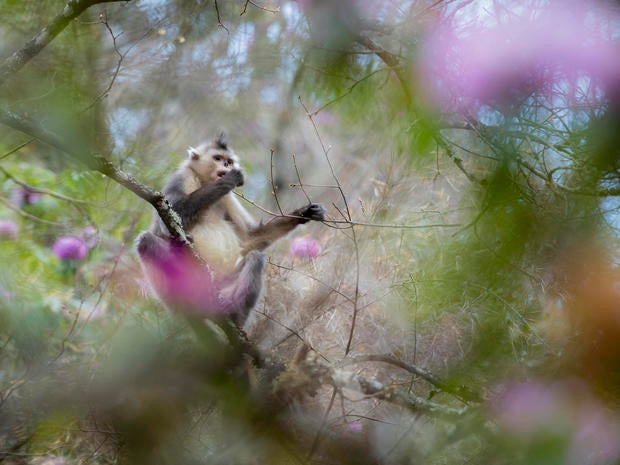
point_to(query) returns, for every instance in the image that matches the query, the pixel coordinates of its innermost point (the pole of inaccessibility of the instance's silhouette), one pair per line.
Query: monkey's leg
(151, 246)
(241, 295)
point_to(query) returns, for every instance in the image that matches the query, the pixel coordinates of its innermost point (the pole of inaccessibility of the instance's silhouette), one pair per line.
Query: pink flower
(70, 248)
(8, 229)
(305, 247)
(563, 48)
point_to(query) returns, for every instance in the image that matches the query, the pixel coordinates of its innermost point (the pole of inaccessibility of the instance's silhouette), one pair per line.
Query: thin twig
(245, 7)
(274, 188)
(219, 19)
(301, 184)
(39, 190)
(17, 148)
(27, 215)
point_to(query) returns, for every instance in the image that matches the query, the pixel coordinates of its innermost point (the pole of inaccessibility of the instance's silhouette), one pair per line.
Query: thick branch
(17, 60)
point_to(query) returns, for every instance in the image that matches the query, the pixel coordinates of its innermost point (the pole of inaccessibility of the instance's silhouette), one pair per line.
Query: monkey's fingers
(236, 176)
(314, 212)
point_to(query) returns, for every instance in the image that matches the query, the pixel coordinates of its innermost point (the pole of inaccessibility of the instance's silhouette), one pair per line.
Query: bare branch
(219, 19)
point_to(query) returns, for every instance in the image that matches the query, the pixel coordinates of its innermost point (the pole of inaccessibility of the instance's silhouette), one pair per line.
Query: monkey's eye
(217, 158)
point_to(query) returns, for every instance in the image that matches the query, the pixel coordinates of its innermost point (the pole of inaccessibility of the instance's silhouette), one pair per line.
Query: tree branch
(317, 372)
(30, 49)
(105, 167)
(461, 392)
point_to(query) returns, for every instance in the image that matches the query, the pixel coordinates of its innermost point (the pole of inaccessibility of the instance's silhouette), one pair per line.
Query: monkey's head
(212, 160)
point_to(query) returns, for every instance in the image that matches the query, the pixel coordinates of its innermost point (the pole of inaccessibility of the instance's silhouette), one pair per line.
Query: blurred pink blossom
(305, 247)
(22, 196)
(526, 408)
(186, 285)
(8, 229)
(566, 408)
(70, 248)
(543, 49)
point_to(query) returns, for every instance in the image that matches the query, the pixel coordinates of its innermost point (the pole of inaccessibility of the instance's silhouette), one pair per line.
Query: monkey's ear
(192, 153)
(220, 141)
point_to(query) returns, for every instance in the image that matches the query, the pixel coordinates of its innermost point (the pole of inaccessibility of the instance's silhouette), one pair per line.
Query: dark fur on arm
(264, 234)
(190, 206)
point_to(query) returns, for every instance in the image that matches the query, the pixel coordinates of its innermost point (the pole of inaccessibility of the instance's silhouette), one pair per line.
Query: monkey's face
(211, 163)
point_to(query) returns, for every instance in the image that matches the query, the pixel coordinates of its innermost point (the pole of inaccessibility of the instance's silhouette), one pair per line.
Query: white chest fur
(216, 240)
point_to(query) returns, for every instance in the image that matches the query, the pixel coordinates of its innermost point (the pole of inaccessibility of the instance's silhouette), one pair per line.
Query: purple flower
(565, 48)
(8, 229)
(70, 248)
(305, 247)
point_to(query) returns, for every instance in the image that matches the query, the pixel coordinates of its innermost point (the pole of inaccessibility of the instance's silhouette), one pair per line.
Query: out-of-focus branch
(391, 60)
(30, 49)
(394, 63)
(488, 135)
(39, 190)
(105, 167)
(462, 393)
(316, 372)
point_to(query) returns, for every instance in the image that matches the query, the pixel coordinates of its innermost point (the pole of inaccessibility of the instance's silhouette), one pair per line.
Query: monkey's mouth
(221, 173)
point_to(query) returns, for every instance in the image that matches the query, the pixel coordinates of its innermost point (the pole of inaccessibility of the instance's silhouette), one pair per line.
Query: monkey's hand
(234, 176)
(312, 211)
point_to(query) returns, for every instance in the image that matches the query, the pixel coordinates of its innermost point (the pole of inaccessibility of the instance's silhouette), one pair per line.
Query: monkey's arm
(190, 206)
(265, 234)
